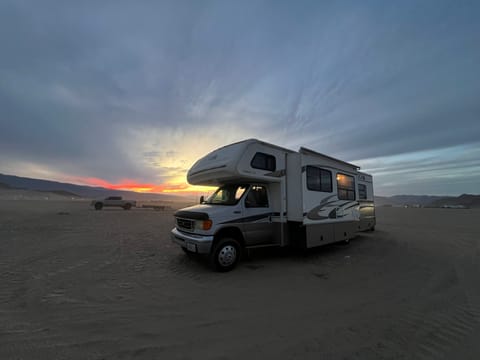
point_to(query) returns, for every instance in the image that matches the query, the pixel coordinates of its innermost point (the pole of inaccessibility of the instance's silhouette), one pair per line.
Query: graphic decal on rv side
(370, 205)
(353, 204)
(249, 218)
(333, 210)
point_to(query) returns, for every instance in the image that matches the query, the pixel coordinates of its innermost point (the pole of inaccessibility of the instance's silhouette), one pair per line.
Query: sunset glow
(132, 185)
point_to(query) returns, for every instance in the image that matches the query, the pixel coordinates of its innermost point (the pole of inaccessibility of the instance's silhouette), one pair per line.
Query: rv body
(271, 196)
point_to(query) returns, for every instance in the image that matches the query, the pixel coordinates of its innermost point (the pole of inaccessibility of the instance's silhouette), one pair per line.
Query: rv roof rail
(306, 151)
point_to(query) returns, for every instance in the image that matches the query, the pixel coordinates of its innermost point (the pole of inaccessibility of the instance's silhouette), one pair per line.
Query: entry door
(258, 224)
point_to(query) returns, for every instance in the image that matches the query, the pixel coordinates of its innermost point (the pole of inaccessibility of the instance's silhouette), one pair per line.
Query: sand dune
(83, 284)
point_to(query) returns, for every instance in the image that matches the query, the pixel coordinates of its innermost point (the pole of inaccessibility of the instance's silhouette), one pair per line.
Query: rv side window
(263, 162)
(256, 197)
(362, 191)
(319, 179)
(345, 187)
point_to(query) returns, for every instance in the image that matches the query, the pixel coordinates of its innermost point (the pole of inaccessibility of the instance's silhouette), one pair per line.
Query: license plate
(191, 247)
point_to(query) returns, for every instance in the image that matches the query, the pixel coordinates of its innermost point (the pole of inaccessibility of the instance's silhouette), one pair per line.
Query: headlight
(204, 224)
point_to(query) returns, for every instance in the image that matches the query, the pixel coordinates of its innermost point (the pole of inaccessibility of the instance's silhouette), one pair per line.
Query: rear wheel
(225, 254)
(98, 206)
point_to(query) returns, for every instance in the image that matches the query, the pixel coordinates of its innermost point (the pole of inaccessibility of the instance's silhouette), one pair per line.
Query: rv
(271, 196)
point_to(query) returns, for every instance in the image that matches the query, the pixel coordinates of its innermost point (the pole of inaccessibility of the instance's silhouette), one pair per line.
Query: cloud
(117, 90)
(446, 171)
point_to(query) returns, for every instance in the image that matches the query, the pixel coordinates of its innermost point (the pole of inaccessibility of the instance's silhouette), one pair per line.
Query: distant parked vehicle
(113, 201)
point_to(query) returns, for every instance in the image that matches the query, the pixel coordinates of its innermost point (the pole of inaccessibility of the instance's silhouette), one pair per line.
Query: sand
(83, 284)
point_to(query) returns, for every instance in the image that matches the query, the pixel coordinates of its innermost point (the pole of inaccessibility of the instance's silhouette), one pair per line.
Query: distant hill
(470, 201)
(4, 186)
(10, 183)
(467, 200)
(410, 200)
(76, 191)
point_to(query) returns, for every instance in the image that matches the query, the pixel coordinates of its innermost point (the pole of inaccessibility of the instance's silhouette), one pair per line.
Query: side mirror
(202, 199)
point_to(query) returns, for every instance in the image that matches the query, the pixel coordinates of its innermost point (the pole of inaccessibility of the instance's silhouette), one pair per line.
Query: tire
(98, 206)
(225, 254)
(127, 206)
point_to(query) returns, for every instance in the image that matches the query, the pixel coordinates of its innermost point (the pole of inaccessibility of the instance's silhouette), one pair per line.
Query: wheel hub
(227, 255)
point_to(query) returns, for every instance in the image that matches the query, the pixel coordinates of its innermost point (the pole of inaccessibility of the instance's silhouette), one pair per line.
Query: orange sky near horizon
(172, 164)
(132, 185)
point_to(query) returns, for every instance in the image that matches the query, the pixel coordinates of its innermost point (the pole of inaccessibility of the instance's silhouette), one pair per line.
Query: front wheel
(127, 206)
(225, 254)
(98, 206)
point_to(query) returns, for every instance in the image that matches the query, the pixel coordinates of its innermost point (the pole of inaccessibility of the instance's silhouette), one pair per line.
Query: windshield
(227, 195)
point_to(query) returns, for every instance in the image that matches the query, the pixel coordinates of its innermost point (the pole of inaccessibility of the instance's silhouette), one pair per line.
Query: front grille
(185, 224)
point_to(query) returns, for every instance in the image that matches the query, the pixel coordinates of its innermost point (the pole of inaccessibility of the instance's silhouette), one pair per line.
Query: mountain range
(11, 182)
(59, 189)
(465, 200)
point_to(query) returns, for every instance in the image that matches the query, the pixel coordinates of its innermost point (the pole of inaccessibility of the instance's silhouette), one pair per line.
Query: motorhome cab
(271, 196)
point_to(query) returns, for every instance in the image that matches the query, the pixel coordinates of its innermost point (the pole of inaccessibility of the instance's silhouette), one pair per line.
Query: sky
(129, 94)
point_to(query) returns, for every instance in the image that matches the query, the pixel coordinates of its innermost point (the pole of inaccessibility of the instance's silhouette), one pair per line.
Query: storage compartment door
(320, 234)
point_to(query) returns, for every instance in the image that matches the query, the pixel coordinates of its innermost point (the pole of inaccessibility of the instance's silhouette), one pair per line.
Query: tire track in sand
(435, 334)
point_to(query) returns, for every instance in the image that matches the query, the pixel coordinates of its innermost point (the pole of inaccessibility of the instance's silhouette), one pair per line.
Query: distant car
(113, 201)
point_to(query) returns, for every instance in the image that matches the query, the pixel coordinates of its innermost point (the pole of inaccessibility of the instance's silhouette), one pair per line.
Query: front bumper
(192, 242)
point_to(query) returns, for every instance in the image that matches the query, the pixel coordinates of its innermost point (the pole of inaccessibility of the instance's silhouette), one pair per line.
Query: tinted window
(362, 191)
(264, 162)
(257, 197)
(114, 198)
(345, 187)
(319, 179)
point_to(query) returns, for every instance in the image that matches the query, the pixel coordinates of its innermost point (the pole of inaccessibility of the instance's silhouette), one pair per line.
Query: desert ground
(82, 284)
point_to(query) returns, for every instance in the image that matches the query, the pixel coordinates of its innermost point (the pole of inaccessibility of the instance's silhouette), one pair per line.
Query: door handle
(237, 212)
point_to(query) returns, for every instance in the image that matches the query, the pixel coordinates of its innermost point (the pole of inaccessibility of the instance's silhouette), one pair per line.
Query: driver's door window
(257, 197)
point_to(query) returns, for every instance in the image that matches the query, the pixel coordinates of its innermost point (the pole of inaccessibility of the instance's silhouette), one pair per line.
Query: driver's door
(258, 227)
